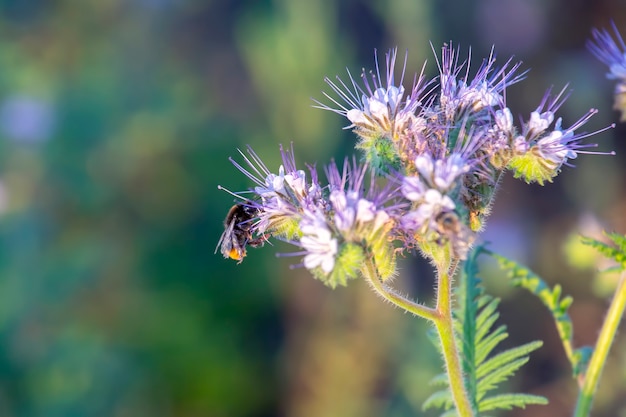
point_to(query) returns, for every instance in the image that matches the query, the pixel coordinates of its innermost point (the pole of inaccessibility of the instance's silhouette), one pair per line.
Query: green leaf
(508, 401)
(440, 399)
(488, 344)
(551, 298)
(499, 361)
(440, 380)
(501, 367)
(616, 253)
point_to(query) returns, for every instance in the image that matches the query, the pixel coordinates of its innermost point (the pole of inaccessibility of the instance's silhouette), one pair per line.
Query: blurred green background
(117, 118)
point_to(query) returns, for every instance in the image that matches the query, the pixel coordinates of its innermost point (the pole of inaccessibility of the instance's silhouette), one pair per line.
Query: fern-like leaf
(551, 298)
(440, 399)
(500, 367)
(617, 252)
(508, 401)
(476, 314)
(440, 380)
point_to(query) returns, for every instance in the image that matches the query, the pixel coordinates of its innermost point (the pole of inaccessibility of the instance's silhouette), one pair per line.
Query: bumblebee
(238, 232)
(452, 229)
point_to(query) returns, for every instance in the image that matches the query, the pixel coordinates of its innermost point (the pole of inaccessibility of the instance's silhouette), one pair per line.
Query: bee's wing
(225, 238)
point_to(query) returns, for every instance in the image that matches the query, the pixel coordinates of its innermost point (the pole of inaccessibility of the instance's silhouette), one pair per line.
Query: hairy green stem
(445, 328)
(442, 319)
(567, 346)
(395, 298)
(601, 351)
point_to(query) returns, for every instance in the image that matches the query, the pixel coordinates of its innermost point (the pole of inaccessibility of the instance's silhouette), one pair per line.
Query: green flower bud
(380, 153)
(532, 167)
(287, 227)
(383, 252)
(347, 266)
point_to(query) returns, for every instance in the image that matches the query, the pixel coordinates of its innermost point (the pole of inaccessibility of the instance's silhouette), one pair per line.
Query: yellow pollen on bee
(236, 254)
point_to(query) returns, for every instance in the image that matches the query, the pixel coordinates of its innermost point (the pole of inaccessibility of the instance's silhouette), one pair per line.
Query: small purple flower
(459, 93)
(504, 120)
(282, 196)
(501, 134)
(377, 109)
(555, 144)
(424, 216)
(413, 188)
(352, 206)
(610, 50)
(318, 241)
(443, 173)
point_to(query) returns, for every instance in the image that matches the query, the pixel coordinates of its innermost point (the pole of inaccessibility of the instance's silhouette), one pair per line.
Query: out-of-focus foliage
(117, 118)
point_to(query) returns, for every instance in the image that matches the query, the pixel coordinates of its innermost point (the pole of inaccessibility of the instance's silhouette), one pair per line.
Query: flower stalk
(601, 351)
(442, 318)
(389, 294)
(445, 328)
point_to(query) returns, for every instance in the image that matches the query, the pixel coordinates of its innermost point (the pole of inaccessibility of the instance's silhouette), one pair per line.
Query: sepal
(349, 261)
(533, 167)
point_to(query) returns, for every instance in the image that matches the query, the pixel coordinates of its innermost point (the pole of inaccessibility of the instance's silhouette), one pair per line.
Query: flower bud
(532, 167)
(380, 153)
(347, 266)
(383, 251)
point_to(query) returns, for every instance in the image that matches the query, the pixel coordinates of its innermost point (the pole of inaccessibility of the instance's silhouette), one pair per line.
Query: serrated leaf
(440, 380)
(488, 344)
(619, 240)
(440, 399)
(525, 278)
(487, 316)
(508, 401)
(566, 303)
(616, 253)
(500, 374)
(508, 356)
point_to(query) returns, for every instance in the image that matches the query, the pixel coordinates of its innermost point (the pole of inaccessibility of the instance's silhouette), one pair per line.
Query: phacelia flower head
(452, 138)
(280, 197)
(334, 225)
(381, 113)
(611, 50)
(543, 148)
(361, 216)
(433, 156)
(376, 108)
(460, 93)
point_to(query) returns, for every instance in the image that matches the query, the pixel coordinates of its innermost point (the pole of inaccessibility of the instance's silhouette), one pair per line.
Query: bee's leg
(258, 242)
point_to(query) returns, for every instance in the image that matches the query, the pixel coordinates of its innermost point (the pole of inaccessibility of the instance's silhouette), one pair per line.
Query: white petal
(356, 117)
(366, 210)
(432, 196)
(413, 188)
(378, 109)
(328, 263)
(424, 164)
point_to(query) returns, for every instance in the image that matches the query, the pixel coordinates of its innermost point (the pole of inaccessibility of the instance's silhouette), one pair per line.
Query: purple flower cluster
(329, 222)
(439, 147)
